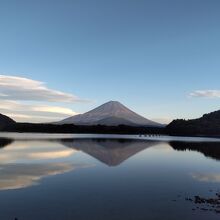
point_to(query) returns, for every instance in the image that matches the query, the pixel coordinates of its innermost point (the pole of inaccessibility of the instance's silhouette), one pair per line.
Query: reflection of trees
(5, 141)
(209, 149)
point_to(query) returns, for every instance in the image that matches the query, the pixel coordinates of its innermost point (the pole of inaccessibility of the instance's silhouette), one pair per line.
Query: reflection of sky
(145, 182)
(25, 163)
(15, 176)
(207, 177)
(26, 151)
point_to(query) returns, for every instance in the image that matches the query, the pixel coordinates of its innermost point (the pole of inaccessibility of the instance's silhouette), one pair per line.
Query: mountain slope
(114, 121)
(110, 113)
(208, 124)
(5, 120)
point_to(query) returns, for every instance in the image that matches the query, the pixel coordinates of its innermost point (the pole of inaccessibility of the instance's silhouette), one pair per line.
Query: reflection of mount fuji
(111, 152)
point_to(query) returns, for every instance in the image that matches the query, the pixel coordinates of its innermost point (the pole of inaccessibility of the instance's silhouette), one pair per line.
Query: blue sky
(160, 58)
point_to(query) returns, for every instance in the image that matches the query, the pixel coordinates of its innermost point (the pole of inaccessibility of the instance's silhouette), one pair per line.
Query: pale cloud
(27, 100)
(34, 112)
(206, 93)
(34, 119)
(163, 120)
(54, 109)
(20, 88)
(22, 98)
(19, 106)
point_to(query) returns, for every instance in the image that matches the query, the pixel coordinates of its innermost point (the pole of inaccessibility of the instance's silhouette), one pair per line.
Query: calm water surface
(103, 178)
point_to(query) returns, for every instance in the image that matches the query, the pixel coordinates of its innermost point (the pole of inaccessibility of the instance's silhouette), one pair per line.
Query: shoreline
(147, 137)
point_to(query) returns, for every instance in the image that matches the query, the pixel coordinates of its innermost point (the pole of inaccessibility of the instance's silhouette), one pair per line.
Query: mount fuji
(112, 113)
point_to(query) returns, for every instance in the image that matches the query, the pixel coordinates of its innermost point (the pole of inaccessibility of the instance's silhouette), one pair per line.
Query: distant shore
(81, 129)
(103, 129)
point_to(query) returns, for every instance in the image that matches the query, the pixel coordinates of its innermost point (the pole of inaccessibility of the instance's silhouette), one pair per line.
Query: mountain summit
(112, 113)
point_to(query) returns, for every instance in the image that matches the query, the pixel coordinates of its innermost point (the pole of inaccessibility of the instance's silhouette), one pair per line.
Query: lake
(97, 177)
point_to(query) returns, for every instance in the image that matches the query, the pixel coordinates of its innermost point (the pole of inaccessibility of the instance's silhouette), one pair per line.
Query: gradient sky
(161, 58)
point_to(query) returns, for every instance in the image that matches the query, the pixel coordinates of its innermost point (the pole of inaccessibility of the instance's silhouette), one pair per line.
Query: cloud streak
(206, 93)
(36, 113)
(19, 88)
(29, 100)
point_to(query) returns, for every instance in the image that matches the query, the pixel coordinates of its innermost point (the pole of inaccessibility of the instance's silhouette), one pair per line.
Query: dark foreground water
(92, 179)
